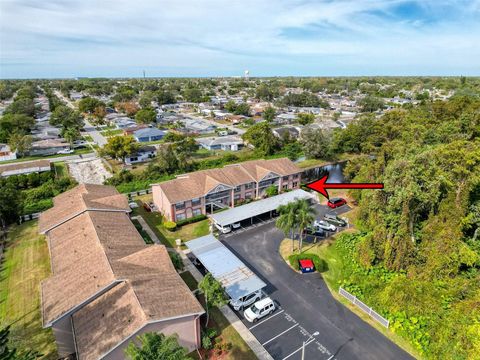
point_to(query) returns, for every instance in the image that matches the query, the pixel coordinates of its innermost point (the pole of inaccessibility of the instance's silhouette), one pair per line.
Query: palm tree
(286, 221)
(155, 346)
(305, 215)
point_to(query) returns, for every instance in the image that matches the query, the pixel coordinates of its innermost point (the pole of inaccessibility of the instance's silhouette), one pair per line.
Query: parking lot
(306, 310)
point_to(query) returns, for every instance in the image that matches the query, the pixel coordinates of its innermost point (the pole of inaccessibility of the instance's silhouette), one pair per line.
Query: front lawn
(26, 263)
(189, 280)
(186, 232)
(61, 170)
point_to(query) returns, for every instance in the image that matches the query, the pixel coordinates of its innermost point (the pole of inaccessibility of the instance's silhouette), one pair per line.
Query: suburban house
(131, 130)
(292, 131)
(285, 118)
(124, 122)
(230, 143)
(144, 153)
(25, 168)
(107, 286)
(197, 126)
(201, 191)
(48, 147)
(148, 134)
(6, 153)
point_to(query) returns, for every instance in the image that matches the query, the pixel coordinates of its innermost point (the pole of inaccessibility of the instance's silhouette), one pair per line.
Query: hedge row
(191, 220)
(320, 264)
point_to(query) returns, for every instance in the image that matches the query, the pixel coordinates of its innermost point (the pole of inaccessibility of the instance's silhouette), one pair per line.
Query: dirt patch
(88, 171)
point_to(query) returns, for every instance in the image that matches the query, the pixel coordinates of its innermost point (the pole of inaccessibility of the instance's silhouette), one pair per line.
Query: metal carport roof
(258, 207)
(236, 278)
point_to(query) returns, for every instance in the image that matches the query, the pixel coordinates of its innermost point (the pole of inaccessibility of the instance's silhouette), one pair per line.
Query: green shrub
(191, 220)
(206, 342)
(211, 333)
(176, 260)
(170, 225)
(320, 264)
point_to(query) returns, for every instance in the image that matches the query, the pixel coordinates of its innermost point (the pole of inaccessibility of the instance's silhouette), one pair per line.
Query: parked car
(315, 231)
(324, 225)
(260, 309)
(147, 207)
(247, 300)
(133, 205)
(65, 151)
(223, 229)
(336, 202)
(235, 225)
(334, 219)
(306, 266)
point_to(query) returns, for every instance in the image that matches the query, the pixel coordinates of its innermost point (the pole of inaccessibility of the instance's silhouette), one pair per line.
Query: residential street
(308, 306)
(91, 155)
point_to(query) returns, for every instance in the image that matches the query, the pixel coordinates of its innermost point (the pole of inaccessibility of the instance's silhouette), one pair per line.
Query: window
(180, 216)
(237, 189)
(285, 187)
(249, 185)
(196, 202)
(285, 178)
(180, 206)
(236, 197)
(295, 184)
(197, 212)
(248, 195)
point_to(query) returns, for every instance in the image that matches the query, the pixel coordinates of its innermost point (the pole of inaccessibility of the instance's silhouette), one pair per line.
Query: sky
(123, 38)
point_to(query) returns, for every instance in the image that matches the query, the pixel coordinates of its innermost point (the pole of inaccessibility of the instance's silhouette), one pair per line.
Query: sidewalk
(232, 318)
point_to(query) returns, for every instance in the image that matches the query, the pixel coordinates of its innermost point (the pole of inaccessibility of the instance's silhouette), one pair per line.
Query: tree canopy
(156, 346)
(261, 136)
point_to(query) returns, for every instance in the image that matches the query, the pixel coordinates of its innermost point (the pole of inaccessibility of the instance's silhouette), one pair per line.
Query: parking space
(283, 337)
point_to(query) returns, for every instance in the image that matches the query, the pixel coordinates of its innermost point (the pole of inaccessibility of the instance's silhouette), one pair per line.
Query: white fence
(366, 309)
(28, 217)
(139, 193)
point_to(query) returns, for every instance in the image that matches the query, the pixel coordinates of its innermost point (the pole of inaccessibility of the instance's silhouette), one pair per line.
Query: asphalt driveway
(306, 306)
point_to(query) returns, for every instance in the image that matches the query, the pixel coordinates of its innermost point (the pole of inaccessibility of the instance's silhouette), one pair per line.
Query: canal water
(334, 172)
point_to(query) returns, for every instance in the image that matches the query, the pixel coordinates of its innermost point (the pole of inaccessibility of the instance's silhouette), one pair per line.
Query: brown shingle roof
(199, 183)
(79, 199)
(24, 165)
(100, 262)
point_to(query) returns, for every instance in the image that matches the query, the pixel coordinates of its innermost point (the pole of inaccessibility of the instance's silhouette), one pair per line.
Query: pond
(334, 172)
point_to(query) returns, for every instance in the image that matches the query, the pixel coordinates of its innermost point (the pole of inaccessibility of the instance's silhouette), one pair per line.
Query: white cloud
(214, 36)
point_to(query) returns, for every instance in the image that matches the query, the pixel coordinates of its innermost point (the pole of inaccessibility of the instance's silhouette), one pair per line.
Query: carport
(257, 208)
(236, 278)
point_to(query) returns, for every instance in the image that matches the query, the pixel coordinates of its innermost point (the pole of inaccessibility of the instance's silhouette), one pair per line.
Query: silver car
(324, 225)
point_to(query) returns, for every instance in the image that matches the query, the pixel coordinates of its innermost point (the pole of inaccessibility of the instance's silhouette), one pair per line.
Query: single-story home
(6, 153)
(197, 126)
(48, 147)
(285, 118)
(230, 143)
(144, 153)
(148, 134)
(25, 168)
(124, 122)
(130, 130)
(294, 132)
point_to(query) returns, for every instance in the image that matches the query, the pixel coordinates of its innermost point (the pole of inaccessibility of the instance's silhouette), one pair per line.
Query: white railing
(364, 307)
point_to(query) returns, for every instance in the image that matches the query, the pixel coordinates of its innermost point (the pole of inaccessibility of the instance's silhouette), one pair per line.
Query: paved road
(307, 300)
(91, 155)
(97, 137)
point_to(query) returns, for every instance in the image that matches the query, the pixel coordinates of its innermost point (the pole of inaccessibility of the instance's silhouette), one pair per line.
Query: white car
(223, 229)
(324, 225)
(65, 151)
(133, 205)
(260, 309)
(235, 225)
(247, 300)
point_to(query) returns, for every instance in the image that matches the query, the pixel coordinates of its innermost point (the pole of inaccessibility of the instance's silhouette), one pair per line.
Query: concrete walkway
(232, 318)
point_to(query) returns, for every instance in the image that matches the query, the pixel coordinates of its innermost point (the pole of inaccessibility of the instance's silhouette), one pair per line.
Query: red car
(336, 202)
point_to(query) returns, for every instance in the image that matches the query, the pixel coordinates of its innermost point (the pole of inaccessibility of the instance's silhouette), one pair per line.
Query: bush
(211, 333)
(320, 264)
(207, 343)
(176, 260)
(191, 220)
(170, 225)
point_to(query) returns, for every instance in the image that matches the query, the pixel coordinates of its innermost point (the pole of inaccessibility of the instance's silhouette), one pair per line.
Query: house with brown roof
(197, 193)
(25, 168)
(107, 286)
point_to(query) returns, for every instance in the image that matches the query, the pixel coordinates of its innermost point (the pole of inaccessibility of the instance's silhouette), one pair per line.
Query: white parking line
(283, 332)
(261, 322)
(300, 348)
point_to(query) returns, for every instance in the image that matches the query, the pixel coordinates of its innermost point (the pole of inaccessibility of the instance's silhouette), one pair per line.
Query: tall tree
(261, 136)
(316, 144)
(146, 116)
(20, 143)
(213, 291)
(305, 215)
(305, 118)
(269, 114)
(155, 346)
(120, 147)
(287, 220)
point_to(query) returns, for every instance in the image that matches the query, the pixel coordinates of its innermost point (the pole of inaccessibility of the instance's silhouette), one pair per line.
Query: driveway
(306, 306)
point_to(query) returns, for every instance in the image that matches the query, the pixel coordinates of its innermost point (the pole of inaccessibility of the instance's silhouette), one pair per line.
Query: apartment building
(107, 286)
(204, 191)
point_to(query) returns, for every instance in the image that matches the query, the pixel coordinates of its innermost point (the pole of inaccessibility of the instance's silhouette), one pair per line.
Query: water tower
(247, 73)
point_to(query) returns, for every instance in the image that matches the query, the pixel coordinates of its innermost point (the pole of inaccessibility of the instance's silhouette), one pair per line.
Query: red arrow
(321, 186)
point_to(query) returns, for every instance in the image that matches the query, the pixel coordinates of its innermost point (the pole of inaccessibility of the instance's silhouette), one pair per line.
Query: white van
(260, 309)
(223, 229)
(247, 300)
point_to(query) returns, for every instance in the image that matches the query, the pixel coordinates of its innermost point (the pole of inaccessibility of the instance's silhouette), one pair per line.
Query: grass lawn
(186, 232)
(189, 280)
(87, 138)
(111, 132)
(26, 263)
